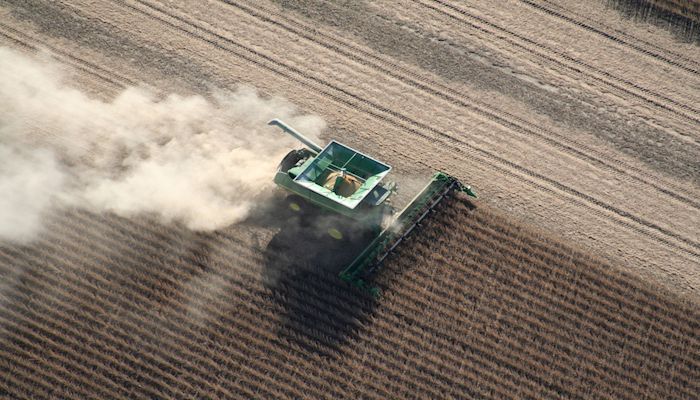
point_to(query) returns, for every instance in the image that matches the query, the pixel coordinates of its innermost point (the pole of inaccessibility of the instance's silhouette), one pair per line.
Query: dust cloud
(203, 162)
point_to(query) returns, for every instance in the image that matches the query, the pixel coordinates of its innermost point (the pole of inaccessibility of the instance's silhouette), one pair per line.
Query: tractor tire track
(641, 46)
(79, 64)
(618, 84)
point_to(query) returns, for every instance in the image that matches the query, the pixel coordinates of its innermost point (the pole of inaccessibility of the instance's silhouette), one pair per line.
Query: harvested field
(474, 306)
(570, 119)
(549, 110)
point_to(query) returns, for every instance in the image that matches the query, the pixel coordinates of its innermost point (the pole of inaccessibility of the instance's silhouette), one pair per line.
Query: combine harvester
(344, 181)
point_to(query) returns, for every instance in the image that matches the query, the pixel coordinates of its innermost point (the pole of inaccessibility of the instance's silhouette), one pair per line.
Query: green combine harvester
(343, 181)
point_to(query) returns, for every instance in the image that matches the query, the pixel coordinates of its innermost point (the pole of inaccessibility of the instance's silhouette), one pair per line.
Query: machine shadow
(302, 262)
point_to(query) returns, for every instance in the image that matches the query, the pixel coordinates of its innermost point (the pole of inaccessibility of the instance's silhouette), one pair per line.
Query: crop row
(473, 306)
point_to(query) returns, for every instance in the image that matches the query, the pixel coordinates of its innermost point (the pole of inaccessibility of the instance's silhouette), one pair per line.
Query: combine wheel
(295, 204)
(297, 208)
(335, 233)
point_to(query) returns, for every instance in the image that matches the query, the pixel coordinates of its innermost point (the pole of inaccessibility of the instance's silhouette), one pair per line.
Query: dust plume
(204, 162)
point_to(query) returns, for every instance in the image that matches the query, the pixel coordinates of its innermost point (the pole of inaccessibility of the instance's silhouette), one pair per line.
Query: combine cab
(344, 181)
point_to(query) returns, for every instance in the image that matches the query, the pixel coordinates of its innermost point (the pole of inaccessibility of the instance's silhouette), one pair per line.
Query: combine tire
(335, 233)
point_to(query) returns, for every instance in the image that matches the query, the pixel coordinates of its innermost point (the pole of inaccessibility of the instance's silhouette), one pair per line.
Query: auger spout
(306, 141)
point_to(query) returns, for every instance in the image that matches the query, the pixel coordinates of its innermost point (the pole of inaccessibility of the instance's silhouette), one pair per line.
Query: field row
(473, 305)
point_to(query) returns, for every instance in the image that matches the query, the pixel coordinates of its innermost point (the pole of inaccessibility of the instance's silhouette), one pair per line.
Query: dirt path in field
(573, 120)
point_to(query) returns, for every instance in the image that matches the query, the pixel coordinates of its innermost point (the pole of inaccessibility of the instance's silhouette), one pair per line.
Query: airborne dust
(203, 162)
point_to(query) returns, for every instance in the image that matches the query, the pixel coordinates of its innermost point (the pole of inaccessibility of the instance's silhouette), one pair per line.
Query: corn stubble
(473, 306)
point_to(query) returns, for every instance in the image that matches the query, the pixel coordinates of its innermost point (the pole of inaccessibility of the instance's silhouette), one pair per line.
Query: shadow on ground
(302, 262)
(683, 23)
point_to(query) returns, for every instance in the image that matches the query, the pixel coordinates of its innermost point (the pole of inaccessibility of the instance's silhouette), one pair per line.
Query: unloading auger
(345, 181)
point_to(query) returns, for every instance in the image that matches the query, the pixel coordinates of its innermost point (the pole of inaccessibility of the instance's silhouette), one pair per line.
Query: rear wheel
(295, 204)
(335, 233)
(302, 211)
